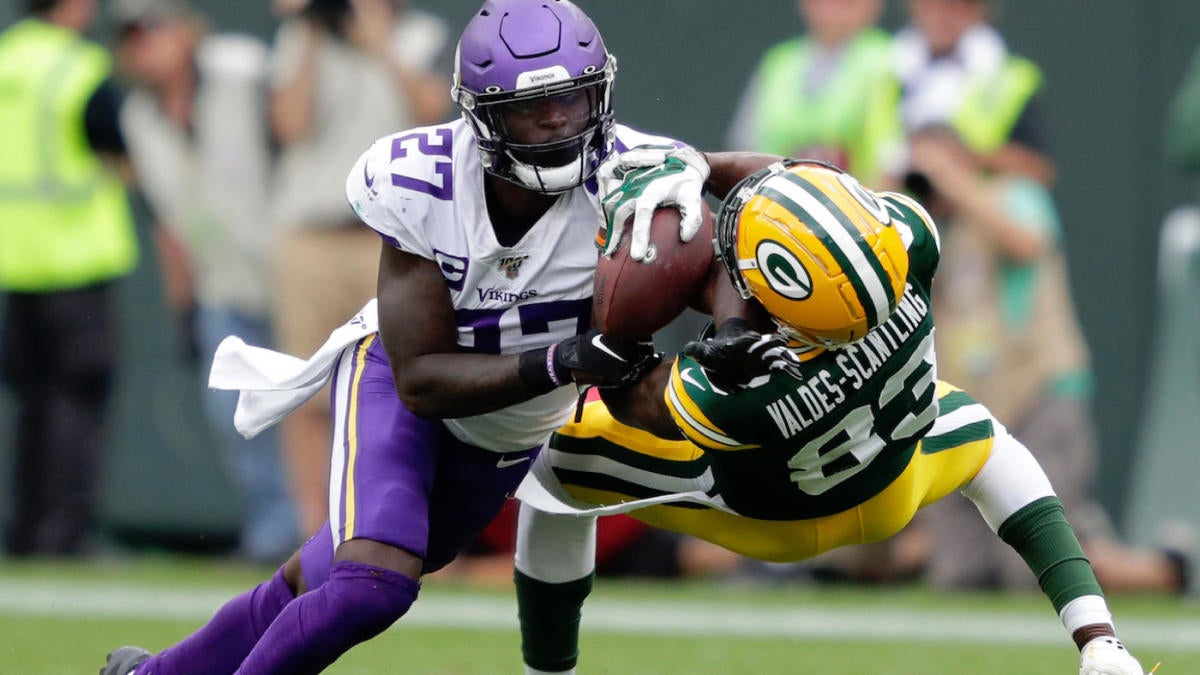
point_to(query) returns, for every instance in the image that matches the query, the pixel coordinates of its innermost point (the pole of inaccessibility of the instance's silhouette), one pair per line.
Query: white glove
(644, 178)
(1107, 656)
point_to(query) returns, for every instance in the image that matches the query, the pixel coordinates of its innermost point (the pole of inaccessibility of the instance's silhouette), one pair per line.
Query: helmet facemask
(726, 229)
(554, 166)
(791, 264)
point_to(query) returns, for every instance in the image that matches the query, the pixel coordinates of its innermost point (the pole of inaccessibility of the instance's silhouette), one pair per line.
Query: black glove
(737, 354)
(600, 360)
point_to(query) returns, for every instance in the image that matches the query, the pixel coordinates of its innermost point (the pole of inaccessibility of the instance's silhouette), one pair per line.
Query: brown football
(634, 299)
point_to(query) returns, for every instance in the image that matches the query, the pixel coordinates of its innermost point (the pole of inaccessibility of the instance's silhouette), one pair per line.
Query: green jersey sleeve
(919, 233)
(699, 407)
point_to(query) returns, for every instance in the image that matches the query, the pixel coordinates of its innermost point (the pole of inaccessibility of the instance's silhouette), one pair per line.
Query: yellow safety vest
(992, 105)
(854, 113)
(64, 218)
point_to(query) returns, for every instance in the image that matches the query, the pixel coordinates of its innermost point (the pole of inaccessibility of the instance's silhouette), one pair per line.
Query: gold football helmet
(816, 249)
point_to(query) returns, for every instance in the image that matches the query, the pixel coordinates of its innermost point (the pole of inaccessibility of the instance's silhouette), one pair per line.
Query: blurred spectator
(1183, 148)
(286, 8)
(955, 69)
(1008, 333)
(1183, 125)
(196, 125)
(66, 235)
(827, 94)
(345, 72)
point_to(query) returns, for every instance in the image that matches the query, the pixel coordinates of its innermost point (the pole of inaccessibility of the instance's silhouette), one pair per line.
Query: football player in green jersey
(811, 419)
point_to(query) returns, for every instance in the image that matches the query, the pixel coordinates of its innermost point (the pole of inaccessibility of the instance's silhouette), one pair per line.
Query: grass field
(63, 618)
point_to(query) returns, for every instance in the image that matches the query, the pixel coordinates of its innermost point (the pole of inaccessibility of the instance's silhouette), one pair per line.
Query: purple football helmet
(517, 53)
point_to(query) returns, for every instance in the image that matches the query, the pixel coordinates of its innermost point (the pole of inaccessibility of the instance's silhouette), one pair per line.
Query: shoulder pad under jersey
(395, 183)
(919, 233)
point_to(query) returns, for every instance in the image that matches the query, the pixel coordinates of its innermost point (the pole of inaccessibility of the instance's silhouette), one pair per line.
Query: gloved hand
(596, 359)
(1107, 656)
(644, 178)
(589, 359)
(736, 355)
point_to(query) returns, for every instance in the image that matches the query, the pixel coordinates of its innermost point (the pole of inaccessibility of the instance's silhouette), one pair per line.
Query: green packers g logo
(783, 271)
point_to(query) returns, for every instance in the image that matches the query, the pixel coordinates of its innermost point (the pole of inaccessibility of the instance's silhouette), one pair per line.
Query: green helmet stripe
(842, 218)
(860, 290)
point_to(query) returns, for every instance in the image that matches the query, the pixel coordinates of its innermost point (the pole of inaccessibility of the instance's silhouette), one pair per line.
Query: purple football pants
(399, 479)
(394, 478)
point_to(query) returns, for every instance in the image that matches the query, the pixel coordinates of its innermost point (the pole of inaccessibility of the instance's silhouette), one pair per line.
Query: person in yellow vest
(954, 68)
(66, 235)
(827, 94)
(1008, 332)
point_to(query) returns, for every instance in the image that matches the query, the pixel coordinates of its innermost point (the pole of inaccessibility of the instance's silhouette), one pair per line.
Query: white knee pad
(555, 548)
(1010, 479)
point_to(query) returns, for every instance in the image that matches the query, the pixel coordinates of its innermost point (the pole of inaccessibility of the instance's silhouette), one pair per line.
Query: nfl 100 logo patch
(510, 266)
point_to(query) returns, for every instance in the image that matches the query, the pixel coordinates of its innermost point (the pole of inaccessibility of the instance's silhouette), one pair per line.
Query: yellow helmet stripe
(844, 263)
(840, 242)
(855, 231)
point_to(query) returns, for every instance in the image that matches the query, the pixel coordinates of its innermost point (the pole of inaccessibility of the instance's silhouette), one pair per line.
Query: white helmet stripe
(846, 244)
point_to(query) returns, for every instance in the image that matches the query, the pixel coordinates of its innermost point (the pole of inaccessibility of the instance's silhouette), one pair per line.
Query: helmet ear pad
(820, 255)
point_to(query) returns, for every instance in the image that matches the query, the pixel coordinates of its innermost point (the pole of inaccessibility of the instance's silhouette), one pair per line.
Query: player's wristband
(538, 372)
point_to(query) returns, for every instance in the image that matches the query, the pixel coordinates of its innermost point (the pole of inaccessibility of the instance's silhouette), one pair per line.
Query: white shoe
(1107, 656)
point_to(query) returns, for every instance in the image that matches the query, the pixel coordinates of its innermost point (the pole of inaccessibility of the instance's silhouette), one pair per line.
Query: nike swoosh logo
(367, 177)
(504, 463)
(598, 343)
(686, 376)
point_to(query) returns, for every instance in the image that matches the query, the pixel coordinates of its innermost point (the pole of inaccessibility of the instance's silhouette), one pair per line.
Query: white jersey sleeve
(422, 190)
(377, 190)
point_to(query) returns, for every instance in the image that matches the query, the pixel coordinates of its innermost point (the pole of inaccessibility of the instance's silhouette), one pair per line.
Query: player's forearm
(440, 386)
(727, 168)
(642, 405)
(727, 304)
(433, 378)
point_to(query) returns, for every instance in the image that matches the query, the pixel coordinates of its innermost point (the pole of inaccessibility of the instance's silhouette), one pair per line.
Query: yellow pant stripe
(926, 479)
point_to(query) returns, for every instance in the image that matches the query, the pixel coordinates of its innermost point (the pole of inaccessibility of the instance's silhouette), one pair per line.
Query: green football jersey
(787, 447)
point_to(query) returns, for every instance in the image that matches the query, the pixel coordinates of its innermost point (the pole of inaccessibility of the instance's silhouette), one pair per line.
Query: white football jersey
(422, 190)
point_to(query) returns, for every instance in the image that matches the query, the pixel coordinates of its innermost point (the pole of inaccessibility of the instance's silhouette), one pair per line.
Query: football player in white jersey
(446, 387)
